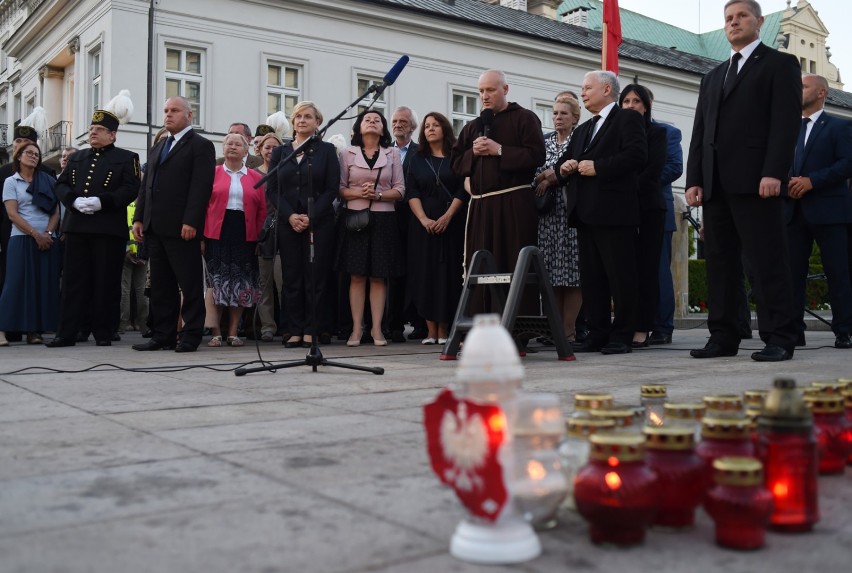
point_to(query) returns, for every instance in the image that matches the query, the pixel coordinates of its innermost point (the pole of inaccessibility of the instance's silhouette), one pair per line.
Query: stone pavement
(198, 470)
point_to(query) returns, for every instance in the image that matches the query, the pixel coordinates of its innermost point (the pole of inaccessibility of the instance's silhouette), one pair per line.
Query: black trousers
(91, 285)
(746, 225)
(608, 271)
(176, 269)
(832, 241)
(649, 246)
(305, 314)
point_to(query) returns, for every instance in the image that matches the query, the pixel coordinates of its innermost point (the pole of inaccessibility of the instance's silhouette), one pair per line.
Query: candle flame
(613, 480)
(612, 461)
(535, 470)
(780, 489)
(497, 422)
(655, 419)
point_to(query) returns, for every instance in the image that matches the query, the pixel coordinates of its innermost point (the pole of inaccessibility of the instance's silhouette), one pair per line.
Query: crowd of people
(357, 241)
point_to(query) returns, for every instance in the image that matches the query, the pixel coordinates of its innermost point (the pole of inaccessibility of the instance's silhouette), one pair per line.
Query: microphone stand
(314, 356)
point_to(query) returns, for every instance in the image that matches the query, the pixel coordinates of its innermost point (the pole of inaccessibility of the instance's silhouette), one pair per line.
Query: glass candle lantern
(847, 404)
(574, 449)
(585, 402)
(616, 492)
(653, 397)
(829, 386)
(739, 503)
(687, 414)
(788, 451)
(724, 406)
(721, 437)
(670, 452)
(832, 431)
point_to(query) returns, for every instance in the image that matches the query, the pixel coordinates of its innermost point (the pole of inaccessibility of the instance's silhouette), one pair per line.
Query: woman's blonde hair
(306, 104)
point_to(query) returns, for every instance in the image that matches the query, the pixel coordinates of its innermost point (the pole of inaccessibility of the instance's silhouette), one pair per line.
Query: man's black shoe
(60, 342)
(147, 334)
(581, 335)
(397, 336)
(185, 347)
(103, 343)
(843, 341)
(152, 345)
(713, 350)
(616, 348)
(587, 346)
(772, 353)
(659, 338)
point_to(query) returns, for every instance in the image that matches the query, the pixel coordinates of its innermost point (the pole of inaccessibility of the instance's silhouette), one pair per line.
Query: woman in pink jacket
(235, 216)
(371, 177)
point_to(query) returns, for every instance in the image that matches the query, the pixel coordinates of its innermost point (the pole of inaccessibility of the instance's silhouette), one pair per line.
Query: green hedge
(816, 294)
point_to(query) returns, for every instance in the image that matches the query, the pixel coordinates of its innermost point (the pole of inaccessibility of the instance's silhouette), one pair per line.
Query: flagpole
(603, 45)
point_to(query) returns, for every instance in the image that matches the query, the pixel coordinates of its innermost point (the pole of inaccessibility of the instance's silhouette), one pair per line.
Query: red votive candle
(738, 503)
(670, 452)
(721, 437)
(616, 492)
(832, 431)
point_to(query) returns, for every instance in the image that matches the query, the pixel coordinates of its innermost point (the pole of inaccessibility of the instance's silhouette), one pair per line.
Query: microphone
(487, 118)
(391, 76)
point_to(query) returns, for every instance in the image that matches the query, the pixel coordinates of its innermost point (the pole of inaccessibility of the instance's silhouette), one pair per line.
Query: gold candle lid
(738, 471)
(725, 428)
(614, 447)
(824, 403)
(622, 416)
(754, 398)
(653, 390)
(829, 386)
(669, 437)
(585, 427)
(592, 401)
(684, 410)
(724, 402)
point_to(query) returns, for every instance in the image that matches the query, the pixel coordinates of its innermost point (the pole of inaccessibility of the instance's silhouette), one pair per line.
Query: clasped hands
(298, 222)
(485, 146)
(368, 191)
(585, 168)
(87, 205)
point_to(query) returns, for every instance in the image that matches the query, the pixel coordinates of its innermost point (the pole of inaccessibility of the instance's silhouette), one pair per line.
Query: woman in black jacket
(652, 208)
(313, 173)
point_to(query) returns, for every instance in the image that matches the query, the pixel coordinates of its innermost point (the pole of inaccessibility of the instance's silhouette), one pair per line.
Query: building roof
(477, 13)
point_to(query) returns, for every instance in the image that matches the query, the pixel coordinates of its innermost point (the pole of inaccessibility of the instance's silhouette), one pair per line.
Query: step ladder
(529, 270)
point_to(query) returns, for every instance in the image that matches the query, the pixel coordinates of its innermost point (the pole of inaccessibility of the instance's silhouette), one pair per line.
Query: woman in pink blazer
(235, 216)
(371, 176)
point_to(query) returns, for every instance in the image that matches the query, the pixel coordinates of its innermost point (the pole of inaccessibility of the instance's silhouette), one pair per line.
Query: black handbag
(358, 220)
(267, 238)
(546, 202)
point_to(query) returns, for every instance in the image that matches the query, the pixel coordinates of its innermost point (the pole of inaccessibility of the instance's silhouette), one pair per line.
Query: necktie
(167, 147)
(800, 144)
(590, 134)
(733, 69)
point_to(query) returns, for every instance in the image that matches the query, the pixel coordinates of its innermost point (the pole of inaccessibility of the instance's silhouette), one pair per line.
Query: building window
(283, 87)
(29, 105)
(465, 109)
(364, 83)
(185, 77)
(813, 67)
(95, 79)
(515, 4)
(544, 111)
(804, 63)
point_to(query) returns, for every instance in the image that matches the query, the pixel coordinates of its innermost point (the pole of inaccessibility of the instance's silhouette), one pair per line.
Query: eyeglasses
(34, 154)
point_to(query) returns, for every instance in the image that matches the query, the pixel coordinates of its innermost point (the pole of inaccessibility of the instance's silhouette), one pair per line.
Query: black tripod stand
(314, 356)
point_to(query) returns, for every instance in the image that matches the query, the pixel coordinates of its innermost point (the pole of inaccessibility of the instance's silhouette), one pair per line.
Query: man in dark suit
(819, 206)
(601, 167)
(746, 123)
(169, 216)
(96, 186)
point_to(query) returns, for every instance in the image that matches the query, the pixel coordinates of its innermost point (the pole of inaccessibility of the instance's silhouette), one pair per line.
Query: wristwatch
(380, 195)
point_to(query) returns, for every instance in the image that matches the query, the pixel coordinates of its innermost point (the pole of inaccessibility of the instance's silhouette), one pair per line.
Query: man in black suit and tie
(819, 206)
(169, 216)
(746, 123)
(601, 167)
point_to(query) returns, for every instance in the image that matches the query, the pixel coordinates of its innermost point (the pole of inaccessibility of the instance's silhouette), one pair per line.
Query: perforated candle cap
(829, 386)
(590, 401)
(824, 403)
(754, 398)
(725, 428)
(585, 427)
(669, 438)
(738, 471)
(684, 411)
(724, 402)
(615, 447)
(653, 390)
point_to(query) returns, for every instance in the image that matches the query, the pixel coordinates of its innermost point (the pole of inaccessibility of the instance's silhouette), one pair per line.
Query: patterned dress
(558, 241)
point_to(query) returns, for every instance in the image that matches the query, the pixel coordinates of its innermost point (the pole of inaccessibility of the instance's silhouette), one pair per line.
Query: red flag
(611, 36)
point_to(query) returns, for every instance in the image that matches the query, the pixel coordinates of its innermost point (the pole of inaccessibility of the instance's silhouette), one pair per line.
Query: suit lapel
(753, 60)
(815, 131)
(607, 122)
(178, 145)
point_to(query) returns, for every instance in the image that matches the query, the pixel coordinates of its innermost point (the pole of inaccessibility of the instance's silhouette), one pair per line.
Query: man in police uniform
(96, 187)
